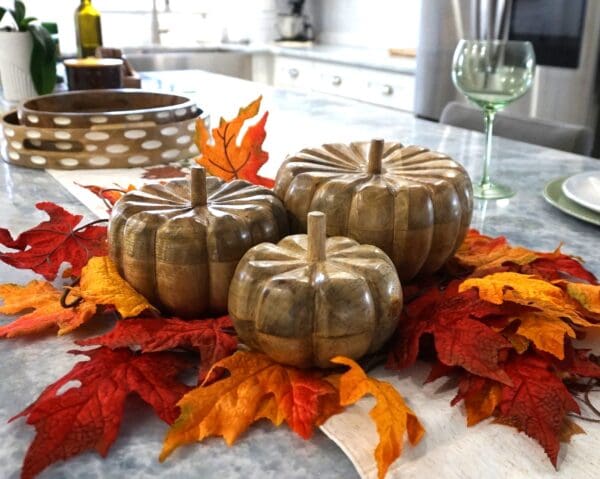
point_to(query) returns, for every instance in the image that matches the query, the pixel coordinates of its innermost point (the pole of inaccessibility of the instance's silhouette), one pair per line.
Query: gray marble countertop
(295, 120)
(375, 58)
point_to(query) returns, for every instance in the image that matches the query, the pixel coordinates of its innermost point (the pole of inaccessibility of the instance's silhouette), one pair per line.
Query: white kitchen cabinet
(386, 88)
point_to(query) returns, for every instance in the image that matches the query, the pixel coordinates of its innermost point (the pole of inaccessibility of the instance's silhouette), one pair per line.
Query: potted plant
(27, 55)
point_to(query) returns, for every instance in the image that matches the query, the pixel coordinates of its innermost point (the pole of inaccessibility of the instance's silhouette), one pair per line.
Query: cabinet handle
(293, 72)
(387, 90)
(336, 80)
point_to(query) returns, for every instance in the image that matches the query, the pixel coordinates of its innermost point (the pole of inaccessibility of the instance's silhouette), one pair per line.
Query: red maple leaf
(46, 246)
(537, 403)
(88, 417)
(576, 362)
(460, 338)
(212, 338)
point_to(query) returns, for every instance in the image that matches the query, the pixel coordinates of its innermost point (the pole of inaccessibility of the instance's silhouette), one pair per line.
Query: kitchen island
(296, 120)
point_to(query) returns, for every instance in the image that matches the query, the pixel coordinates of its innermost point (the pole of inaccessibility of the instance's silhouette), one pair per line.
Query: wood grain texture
(308, 298)
(182, 257)
(417, 208)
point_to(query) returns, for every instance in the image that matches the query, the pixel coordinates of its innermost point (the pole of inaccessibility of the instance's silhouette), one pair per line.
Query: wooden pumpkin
(308, 298)
(413, 203)
(179, 243)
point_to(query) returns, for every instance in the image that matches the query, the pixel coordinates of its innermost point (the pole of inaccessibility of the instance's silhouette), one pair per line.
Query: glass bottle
(87, 28)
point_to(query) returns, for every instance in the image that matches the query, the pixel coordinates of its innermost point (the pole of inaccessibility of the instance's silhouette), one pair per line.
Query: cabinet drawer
(395, 90)
(293, 72)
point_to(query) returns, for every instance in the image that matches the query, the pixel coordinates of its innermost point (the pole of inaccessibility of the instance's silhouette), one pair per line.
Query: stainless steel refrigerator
(566, 38)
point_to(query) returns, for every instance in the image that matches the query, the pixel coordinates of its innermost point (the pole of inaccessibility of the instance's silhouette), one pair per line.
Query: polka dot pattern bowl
(94, 108)
(118, 146)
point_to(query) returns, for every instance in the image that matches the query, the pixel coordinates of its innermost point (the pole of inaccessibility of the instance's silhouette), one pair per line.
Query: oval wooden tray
(93, 108)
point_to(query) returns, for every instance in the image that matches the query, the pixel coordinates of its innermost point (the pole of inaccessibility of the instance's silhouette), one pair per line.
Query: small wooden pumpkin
(413, 203)
(178, 244)
(308, 298)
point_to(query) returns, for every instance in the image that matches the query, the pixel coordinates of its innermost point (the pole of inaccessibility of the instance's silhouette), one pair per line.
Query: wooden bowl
(93, 108)
(121, 146)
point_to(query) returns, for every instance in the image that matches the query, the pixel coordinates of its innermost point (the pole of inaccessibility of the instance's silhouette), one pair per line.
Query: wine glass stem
(488, 121)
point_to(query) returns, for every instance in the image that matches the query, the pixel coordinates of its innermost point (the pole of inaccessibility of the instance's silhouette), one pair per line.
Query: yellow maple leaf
(44, 299)
(101, 284)
(391, 415)
(482, 405)
(588, 295)
(256, 388)
(547, 333)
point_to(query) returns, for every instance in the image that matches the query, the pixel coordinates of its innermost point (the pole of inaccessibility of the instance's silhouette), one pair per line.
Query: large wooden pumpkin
(413, 203)
(308, 298)
(179, 243)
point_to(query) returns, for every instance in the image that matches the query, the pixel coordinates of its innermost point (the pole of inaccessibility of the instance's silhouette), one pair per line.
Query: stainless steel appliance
(566, 39)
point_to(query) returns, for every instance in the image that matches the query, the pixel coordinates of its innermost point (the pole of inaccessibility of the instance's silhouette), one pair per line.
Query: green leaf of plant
(43, 59)
(19, 13)
(2, 12)
(27, 20)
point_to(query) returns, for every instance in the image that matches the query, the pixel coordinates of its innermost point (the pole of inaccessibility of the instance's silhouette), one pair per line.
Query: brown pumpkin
(308, 298)
(179, 243)
(413, 203)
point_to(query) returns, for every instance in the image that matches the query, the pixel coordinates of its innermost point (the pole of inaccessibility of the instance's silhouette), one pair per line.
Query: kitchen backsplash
(365, 23)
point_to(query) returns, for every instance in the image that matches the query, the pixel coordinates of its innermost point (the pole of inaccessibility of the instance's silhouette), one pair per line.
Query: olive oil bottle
(87, 28)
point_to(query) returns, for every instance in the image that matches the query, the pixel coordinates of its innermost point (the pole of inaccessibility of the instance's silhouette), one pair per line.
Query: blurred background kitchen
(393, 53)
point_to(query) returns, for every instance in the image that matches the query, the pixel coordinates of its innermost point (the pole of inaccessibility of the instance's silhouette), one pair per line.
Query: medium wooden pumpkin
(308, 298)
(413, 203)
(179, 243)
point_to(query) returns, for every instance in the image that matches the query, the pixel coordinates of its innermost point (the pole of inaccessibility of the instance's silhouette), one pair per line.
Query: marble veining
(297, 119)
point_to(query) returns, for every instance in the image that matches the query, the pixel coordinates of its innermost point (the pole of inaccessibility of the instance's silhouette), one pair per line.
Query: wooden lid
(93, 62)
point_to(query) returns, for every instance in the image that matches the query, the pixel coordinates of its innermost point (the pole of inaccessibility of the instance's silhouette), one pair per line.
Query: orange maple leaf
(588, 295)
(47, 310)
(391, 414)
(257, 388)
(227, 159)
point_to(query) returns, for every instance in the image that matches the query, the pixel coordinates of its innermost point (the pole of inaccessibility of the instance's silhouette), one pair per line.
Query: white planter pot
(15, 58)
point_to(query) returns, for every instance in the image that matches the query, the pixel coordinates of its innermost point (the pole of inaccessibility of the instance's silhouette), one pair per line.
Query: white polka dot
(63, 145)
(98, 119)
(9, 132)
(61, 120)
(138, 160)
(33, 134)
(193, 109)
(170, 154)
(192, 126)
(135, 134)
(117, 148)
(169, 131)
(17, 145)
(62, 135)
(151, 145)
(35, 143)
(97, 136)
(134, 117)
(163, 115)
(180, 112)
(68, 162)
(193, 150)
(182, 140)
(99, 161)
(91, 147)
(13, 155)
(38, 160)
(33, 118)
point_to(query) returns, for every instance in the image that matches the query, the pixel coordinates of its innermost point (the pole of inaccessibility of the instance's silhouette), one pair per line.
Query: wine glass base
(492, 191)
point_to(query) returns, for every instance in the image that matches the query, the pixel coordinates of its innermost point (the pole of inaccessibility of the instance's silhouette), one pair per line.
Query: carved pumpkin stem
(198, 195)
(317, 223)
(375, 156)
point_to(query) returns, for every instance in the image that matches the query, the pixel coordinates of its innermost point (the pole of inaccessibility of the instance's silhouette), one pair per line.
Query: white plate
(584, 188)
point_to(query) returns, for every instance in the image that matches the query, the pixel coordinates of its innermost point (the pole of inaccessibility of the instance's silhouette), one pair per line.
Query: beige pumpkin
(413, 203)
(308, 298)
(179, 243)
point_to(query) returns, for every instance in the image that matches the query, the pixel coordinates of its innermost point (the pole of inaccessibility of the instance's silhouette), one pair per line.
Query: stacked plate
(100, 129)
(577, 195)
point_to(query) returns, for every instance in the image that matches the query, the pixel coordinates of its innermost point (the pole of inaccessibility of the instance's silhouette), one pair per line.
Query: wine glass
(492, 74)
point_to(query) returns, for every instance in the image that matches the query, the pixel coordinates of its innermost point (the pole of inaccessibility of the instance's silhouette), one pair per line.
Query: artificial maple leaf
(257, 388)
(47, 312)
(537, 403)
(109, 195)
(588, 295)
(46, 246)
(481, 397)
(460, 338)
(209, 337)
(226, 158)
(101, 284)
(163, 172)
(577, 362)
(545, 332)
(392, 417)
(89, 416)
